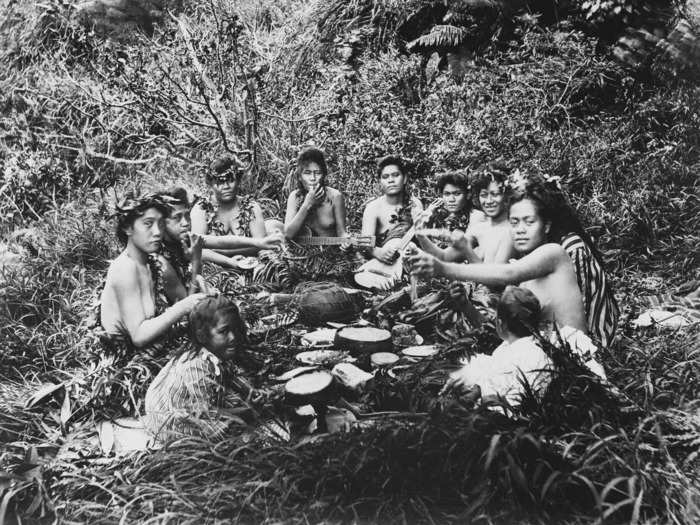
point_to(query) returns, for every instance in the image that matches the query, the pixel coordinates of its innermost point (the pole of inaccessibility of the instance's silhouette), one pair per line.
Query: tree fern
(440, 36)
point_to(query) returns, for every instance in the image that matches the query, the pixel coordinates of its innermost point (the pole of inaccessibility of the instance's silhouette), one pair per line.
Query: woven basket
(321, 302)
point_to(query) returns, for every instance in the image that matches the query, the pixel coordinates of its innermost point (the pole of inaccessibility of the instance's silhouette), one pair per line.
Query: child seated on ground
(518, 360)
(188, 397)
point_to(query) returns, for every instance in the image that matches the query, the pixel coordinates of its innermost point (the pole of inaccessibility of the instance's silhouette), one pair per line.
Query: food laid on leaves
(420, 351)
(382, 359)
(245, 263)
(351, 376)
(294, 372)
(323, 337)
(322, 357)
(363, 339)
(434, 314)
(308, 388)
(405, 335)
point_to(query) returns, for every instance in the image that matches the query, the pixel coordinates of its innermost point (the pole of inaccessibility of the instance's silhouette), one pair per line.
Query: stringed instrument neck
(308, 240)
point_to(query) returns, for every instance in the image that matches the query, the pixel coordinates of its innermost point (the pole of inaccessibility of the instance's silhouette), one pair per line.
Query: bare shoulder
(551, 250)
(374, 205)
(294, 195)
(122, 272)
(416, 203)
(333, 194)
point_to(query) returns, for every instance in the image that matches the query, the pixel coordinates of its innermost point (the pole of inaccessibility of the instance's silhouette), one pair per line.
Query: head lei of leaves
(225, 169)
(132, 206)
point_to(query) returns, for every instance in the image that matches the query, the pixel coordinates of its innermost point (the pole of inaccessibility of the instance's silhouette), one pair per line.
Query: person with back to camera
(517, 361)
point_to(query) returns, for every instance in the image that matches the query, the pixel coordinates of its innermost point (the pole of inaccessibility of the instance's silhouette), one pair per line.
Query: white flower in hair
(517, 180)
(553, 179)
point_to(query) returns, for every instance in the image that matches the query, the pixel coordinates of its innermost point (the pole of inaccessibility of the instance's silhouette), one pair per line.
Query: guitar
(376, 274)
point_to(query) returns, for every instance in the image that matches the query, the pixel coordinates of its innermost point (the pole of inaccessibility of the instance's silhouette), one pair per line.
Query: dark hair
(177, 194)
(391, 160)
(306, 155)
(492, 172)
(132, 207)
(519, 310)
(221, 166)
(553, 207)
(203, 317)
(456, 178)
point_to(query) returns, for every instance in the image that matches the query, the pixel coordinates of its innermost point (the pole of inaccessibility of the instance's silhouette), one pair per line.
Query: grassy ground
(79, 113)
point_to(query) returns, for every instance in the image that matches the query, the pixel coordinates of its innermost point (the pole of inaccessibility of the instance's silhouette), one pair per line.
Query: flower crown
(520, 181)
(137, 204)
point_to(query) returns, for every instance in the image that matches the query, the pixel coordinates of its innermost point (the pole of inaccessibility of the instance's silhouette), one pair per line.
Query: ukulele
(376, 274)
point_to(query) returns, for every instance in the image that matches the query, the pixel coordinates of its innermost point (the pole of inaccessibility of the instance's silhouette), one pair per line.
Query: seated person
(487, 238)
(234, 225)
(181, 249)
(134, 307)
(518, 358)
(600, 307)
(544, 268)
(188, 397)
(452, 214)
(313, 206)
(392, 214)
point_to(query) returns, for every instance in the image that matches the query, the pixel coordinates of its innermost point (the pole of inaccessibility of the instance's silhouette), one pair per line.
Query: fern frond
(441, 36)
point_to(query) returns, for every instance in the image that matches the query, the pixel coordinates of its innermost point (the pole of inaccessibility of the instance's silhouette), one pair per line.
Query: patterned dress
(600, 306)
(183, 398)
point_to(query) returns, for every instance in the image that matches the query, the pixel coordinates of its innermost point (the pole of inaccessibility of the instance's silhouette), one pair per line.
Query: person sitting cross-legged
(390, 215)
(234, 225)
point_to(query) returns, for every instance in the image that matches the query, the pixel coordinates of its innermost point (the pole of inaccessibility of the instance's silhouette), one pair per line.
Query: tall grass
(627, 150)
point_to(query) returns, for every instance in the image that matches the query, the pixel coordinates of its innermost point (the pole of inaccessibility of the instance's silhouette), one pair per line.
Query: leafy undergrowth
(79, 111)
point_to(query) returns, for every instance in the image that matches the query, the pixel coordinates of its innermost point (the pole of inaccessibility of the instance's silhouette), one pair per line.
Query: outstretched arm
(539, 263)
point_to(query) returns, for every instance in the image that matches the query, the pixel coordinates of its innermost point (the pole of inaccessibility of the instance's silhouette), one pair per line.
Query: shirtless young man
(129, 304)
(491, 237)
(487, 238)
(393, 209)
(454, 214)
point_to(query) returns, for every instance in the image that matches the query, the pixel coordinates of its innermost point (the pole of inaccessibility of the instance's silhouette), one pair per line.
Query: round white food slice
(383, 359)
(309, 384)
